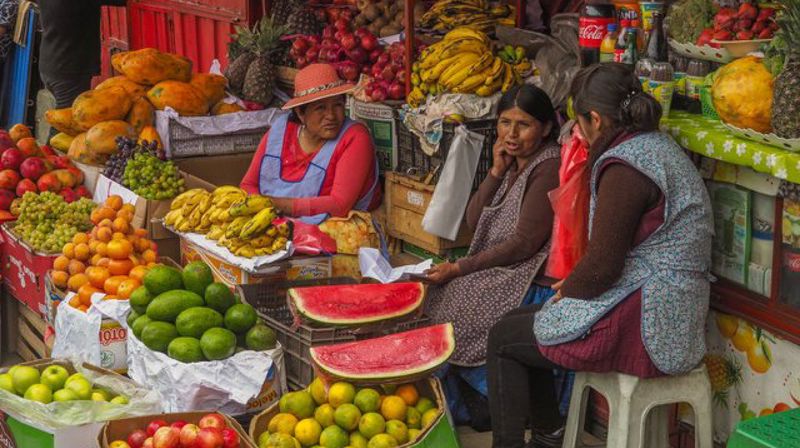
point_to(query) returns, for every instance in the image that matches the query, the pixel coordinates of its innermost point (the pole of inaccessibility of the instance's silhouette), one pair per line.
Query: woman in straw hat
(315, 162)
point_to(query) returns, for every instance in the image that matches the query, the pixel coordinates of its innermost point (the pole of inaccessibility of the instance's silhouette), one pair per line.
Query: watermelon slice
(351, 305)
(395, 356)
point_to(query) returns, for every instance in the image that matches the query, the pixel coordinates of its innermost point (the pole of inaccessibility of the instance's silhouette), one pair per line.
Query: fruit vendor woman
(512, 219)
(314, 162)
(637, 300)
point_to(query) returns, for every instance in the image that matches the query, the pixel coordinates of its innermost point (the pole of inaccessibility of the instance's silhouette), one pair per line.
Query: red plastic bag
(570, 203)
(308, 239)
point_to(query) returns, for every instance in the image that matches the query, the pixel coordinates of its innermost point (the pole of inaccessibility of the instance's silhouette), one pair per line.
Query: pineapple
(282, 9)
(786, 103)
(723, 373)
(259, 80)
(304, 21)
(240, 57)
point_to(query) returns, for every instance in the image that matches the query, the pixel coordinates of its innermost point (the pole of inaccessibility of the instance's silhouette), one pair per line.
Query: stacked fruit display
(211, 431)
(515, 56)
(126, 149)
(384, 18)
(462, 62)
(252, 72)
(124, 105)
(46, 222)
(238, 222)
(152, 178)
(747, 23)
(191, 318)
(388, 75)
(54, 383)
(352, 52)
(446, 15)
(113, 258)
(343, 416)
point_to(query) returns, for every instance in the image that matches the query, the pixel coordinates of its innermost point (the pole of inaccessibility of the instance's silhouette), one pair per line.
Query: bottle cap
(611, 27)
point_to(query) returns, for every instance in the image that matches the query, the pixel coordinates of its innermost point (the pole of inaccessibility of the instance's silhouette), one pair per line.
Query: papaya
(134, 90)
(222, 108)
(212, 86)
(149, 66)
(101, 138)
(94, 106)
(186, 99)
(80, 153)
(61, 119)
(61, 141)
(142, 114)
(150, 134)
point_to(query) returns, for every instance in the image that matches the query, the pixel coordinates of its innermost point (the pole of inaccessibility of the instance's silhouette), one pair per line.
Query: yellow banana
(245, 251)
(496, 71)
(476, 67)
(462, 32)
(508, 77)
(258, 224)
(472, 82)
(215, 232)
(182, 198)
(227, 189)
(464, 62)
(249, 206)
(171, 217)
(235, 226)
(436, 71)
(489, 90)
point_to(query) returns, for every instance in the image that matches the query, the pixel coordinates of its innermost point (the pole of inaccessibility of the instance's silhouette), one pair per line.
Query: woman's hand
(502, 160)
(443, 273)
(557, 287)
(283, 204)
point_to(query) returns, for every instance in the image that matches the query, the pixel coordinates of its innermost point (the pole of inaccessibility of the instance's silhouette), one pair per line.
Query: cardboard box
(379, 119)
(406, 203)
(119, 429)
(294, 268)
(217, 170)
(23, 270)
(440, 434)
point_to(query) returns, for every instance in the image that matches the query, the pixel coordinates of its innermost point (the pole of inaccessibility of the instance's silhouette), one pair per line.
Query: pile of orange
(112, 259)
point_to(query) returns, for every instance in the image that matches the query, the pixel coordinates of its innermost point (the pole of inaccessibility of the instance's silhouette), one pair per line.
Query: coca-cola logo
(592, 30)
(792, 261)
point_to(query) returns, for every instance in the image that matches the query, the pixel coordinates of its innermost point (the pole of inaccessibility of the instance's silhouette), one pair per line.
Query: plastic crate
(707, 103)
(412, 160)
(270, 302)
(781, 430)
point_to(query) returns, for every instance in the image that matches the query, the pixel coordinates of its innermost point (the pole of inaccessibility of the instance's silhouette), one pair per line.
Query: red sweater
(350, 174)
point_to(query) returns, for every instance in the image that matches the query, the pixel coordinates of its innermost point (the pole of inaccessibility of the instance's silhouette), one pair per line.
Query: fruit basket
(789, 144)
(705, 52)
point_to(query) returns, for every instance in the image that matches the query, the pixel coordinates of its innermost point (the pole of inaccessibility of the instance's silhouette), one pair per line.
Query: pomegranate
(6, 141)
(83, 192)
(357, 54)
(369, 42)
(397, 91)
(361, 32)
(300, 45)
(342, 24)
(348, 41)
(312, 54)
(383, 59)
(348, 70)
(328, 32)
(378, 94)
(12, 158)
(374, 55)
(388, 73)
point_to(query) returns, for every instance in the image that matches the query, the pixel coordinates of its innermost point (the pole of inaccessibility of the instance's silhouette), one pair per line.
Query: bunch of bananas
(241, 223)
(462, 62)
(516, 57)
(449, 14)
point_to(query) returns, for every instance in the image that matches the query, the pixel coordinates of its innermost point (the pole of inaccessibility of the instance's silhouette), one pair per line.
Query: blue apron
(271, 183)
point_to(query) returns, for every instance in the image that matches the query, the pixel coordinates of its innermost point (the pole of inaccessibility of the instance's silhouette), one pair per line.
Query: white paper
(77, 332)
(373, 265)
(445, 212)
(106, 187)
(251, 265)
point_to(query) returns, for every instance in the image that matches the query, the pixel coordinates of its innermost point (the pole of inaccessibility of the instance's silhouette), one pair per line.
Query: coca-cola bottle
(592, 28)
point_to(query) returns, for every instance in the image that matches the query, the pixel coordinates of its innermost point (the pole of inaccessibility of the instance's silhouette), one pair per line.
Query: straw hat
(315, 82)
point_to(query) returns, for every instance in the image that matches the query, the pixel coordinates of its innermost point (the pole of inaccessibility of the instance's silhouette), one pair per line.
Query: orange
(95, 259)
(83, 308)
(76, 281)
(80, 237)
(143, 244)
(103, 262)
(82, 252)
(106, 223)
(125, 215)
(76, 267)
(93, 246)
(85, 293)
(151, 264)
(120, 267)
(127, 287)
(141, 233)
(408, 393)
(149, 256)
(112, 297)
(130, 208)
(112, 284)
(69, 250)
(97, 276)
(121, 225)
(114, 201)
(104, 234)
(135, 260)
(102, 249)
(75, 302)
(61, 263)
(119, 249)
(100, 214)
(119, 236)
(138, 273)
(60, 279)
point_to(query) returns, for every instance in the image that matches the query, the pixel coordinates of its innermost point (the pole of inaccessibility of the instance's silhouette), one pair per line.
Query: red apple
(369, 42)
(136, 438)
(300, 45)
(6, 198)
(153, 426)
(9, 179)
(314, 40)
(342, 24)
(179, 424)
(312, 53)
(231, 438)
(167, 437)
(189, 435)
(26, 185)
(361, 32)
(348, 70)
(47, 150)
(388, 73)
(328, 32)
(357, 54)
(148, 443)
(83, 192)
(68, 194)
(378, 94)
(32, 168)
(12, 158)
(374, 55)
(383, 59)
(348, 41)
(6, 141)
(209, 438)
(397, 91)
(212, 420)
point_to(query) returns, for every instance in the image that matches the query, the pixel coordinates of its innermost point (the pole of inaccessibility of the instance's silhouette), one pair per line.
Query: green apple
(55, 376)
(74, 377)
(81, 387)
(100, 395)
(39, 392)
(120, 399)
(65, 395)
(6, 383)
(24, 377)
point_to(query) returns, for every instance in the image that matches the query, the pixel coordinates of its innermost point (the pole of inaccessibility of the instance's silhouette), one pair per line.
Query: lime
(371, 424)
(382, 441)
(398, 430)
(240, 317)
(368, 400)
(218, 343)
(347, 416)
(334, 437)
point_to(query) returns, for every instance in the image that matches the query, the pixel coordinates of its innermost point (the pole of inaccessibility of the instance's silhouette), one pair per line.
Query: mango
(96, 106)
(222, 108)
(61, 141)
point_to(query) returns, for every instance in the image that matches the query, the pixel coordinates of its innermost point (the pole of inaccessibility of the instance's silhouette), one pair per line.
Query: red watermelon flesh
(388, 357)
(349, 305)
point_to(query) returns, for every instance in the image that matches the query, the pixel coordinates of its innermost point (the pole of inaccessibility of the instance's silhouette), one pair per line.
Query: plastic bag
(308, 239)
(570, 203)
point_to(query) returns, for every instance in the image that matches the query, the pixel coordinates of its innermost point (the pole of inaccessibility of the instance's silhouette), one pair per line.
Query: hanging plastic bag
(308, 239)
(570, 203)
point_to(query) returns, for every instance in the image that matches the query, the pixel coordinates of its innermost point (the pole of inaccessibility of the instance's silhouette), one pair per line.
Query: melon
(348, 305)
(391, 357)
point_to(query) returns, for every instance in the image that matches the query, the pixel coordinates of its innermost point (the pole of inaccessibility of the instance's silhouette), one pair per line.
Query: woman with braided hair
(636, 303)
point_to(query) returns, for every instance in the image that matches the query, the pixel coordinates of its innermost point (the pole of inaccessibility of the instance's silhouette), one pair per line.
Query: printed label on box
(113, 346)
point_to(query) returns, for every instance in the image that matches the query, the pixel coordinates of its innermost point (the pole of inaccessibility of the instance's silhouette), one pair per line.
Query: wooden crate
(31, 331)
(406, 202)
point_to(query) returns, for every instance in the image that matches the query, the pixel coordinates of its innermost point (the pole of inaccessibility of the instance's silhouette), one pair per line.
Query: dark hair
(612, 90)
(534, 102)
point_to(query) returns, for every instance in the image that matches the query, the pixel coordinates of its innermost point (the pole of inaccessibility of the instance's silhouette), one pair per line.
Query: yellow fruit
(408, 393)
(282, 423)
(282, 441)
(429, 417)
(760, 357)
(358, 441)
(324, 415)
(96, 106)
(307, 432)
(368, 400)
(393, 408)
(341, 393)
(413, 434)
(134, 90)
(347, 416)
(382, 441)
(742, 94)
(398, 430)
(142, 114)
(413, 418)
(101, 138)
(61, 141)
(185, 98)
(62, 120)
(149, 66)
(744, 338)
(424, 404)
(212, 86)
(727, 324)
(222, 108)
(317, 391)
(371, 424)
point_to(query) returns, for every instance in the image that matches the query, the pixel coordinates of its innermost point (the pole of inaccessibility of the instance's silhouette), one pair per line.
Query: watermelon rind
(298, 305)
(388, 373)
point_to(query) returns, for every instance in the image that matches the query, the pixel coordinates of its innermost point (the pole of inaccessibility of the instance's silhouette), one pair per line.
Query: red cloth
(614, 344)
(350, 174)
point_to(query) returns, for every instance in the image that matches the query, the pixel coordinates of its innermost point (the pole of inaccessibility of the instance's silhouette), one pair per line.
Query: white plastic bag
(446, 209)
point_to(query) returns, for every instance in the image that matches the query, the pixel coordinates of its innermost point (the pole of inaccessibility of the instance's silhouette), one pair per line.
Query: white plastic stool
(631, 400)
